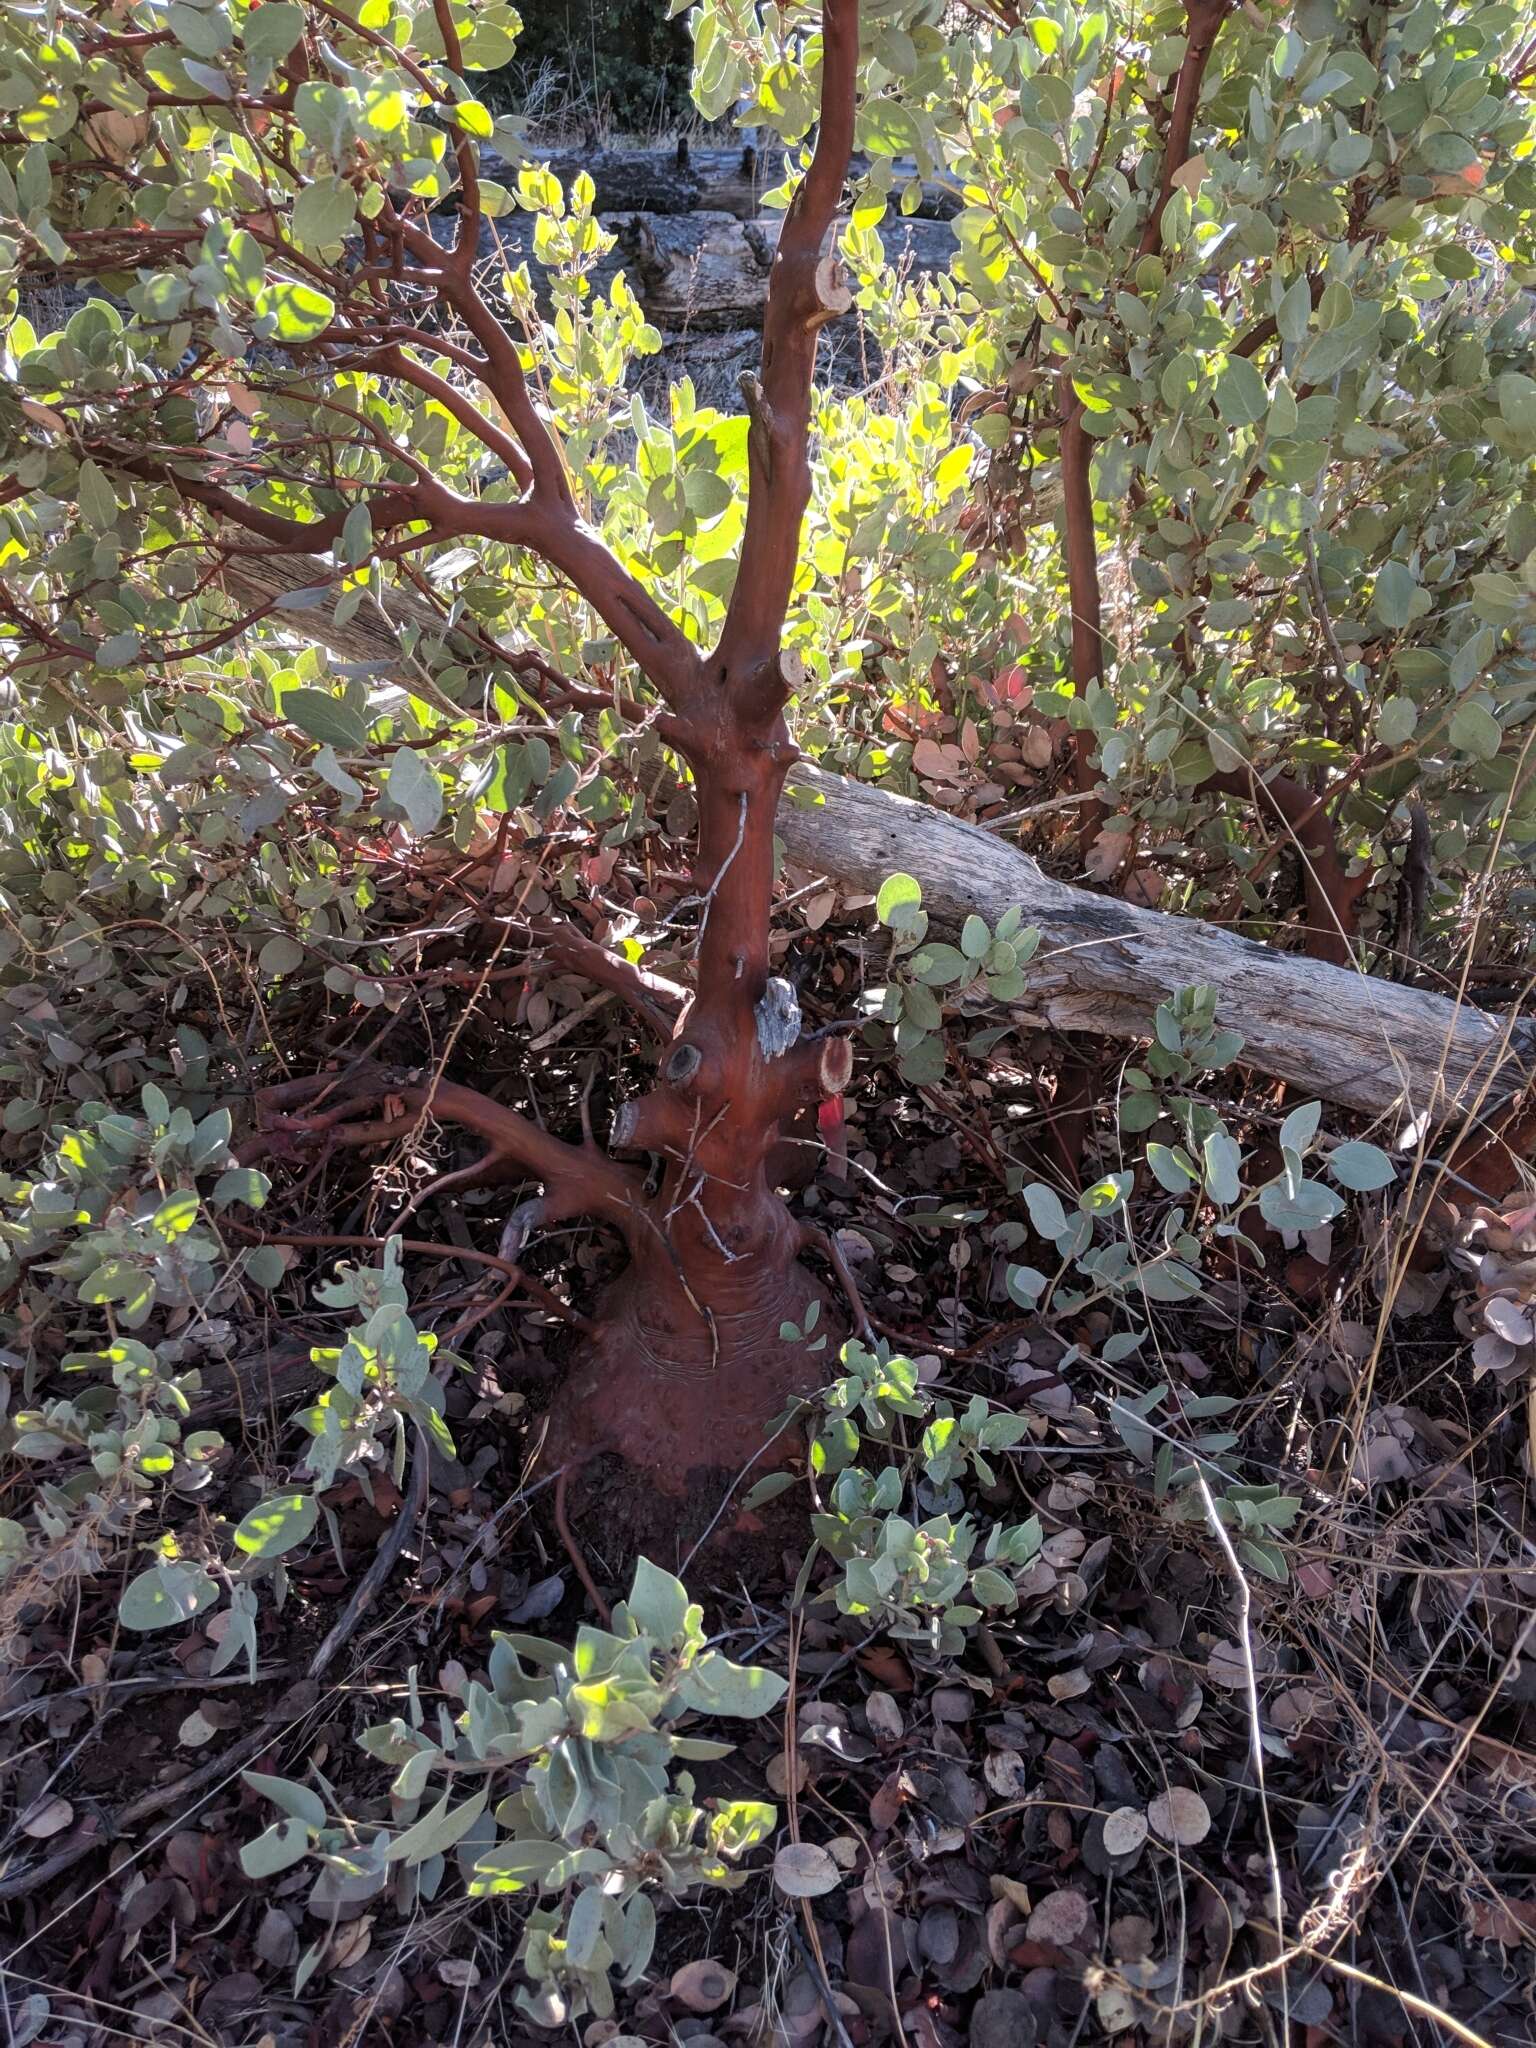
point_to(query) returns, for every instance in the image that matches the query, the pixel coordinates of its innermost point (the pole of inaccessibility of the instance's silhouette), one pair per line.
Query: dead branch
(1105, 965)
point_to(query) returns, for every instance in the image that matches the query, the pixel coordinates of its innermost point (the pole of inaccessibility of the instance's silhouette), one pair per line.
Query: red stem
(805, 291)
(1332, 894)
(1203, 19)
(1083, 594)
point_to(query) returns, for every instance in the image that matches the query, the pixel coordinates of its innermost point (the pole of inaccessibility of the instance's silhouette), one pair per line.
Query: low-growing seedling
(1199, 1163)
(987, 966)
(115, 1232)
(555, 1780)
(924, 1577)
(1154, 1427)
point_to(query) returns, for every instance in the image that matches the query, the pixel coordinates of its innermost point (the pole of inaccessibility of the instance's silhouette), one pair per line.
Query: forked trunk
(688, 1370)
(685, 1368)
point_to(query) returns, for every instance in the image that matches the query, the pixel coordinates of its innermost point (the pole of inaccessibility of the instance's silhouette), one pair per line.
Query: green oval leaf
(899, 897)
(324, 717)
(166, 1594)
(277, 1524)
(1361, 1167)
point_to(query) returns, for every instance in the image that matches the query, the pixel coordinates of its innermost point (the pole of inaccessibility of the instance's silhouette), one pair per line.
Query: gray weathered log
(659, 180)
(1103, 965)
(627, 180)
(708, 270)
(700, 180)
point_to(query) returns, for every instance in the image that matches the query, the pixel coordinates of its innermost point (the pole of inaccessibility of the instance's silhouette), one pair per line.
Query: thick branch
(1083, 594)
(1332, 894)
(578, 1179)
(503, 374)
(657, 1003)
(805, 290)
(1203, 19)
(557, 536)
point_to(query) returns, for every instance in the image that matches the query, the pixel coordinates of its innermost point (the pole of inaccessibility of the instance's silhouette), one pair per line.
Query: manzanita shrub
(1240, 310)
(1203, 480)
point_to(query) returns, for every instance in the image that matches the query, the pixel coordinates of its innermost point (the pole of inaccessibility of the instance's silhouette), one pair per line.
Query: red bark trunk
(685, 1369)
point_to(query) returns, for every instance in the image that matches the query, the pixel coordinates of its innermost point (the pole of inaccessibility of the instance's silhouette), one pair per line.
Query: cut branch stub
(832, 287)
(777, 1014)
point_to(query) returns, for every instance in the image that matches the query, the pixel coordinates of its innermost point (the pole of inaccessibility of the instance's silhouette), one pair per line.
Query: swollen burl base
(687, 1395)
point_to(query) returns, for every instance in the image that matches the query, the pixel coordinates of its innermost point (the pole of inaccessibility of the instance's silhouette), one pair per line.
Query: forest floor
(1083, 1826)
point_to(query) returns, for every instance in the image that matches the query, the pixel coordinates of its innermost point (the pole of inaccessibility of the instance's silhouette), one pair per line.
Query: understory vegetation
(629, 1409)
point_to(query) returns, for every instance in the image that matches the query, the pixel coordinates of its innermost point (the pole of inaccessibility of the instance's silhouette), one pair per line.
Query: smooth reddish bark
(685, 1368)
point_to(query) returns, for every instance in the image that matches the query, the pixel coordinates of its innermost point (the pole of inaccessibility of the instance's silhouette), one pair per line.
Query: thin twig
(1242, 1600)
(823, 1988)
(342, 1630)
(1324, 617)
(575, 1553)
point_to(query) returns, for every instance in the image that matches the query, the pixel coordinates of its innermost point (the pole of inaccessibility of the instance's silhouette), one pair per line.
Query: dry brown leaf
(1143, 887)
(702, 1986)
(1060, 1920)
(1068, 1685)
(1191, 174)
(1510, 1922)
(348, 1945)
(1002, 1919)
(1005, 1772)
(1124, 1831)
(885, 1719)
(48, 1817)
(778, 1777)
(1181, 1816)
(1036, 746)
(804, 1870)
(1015, 1893)
(44, 415)
(1106, 856)
(886, 1665)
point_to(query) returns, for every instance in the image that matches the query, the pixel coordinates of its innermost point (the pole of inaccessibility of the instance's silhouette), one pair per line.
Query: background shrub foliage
(1306, 378)
(624, 62)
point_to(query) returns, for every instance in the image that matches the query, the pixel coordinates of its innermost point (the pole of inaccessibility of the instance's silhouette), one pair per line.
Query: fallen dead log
(1104, 965)
(710, 270)
(677, 180)
(684, 179)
